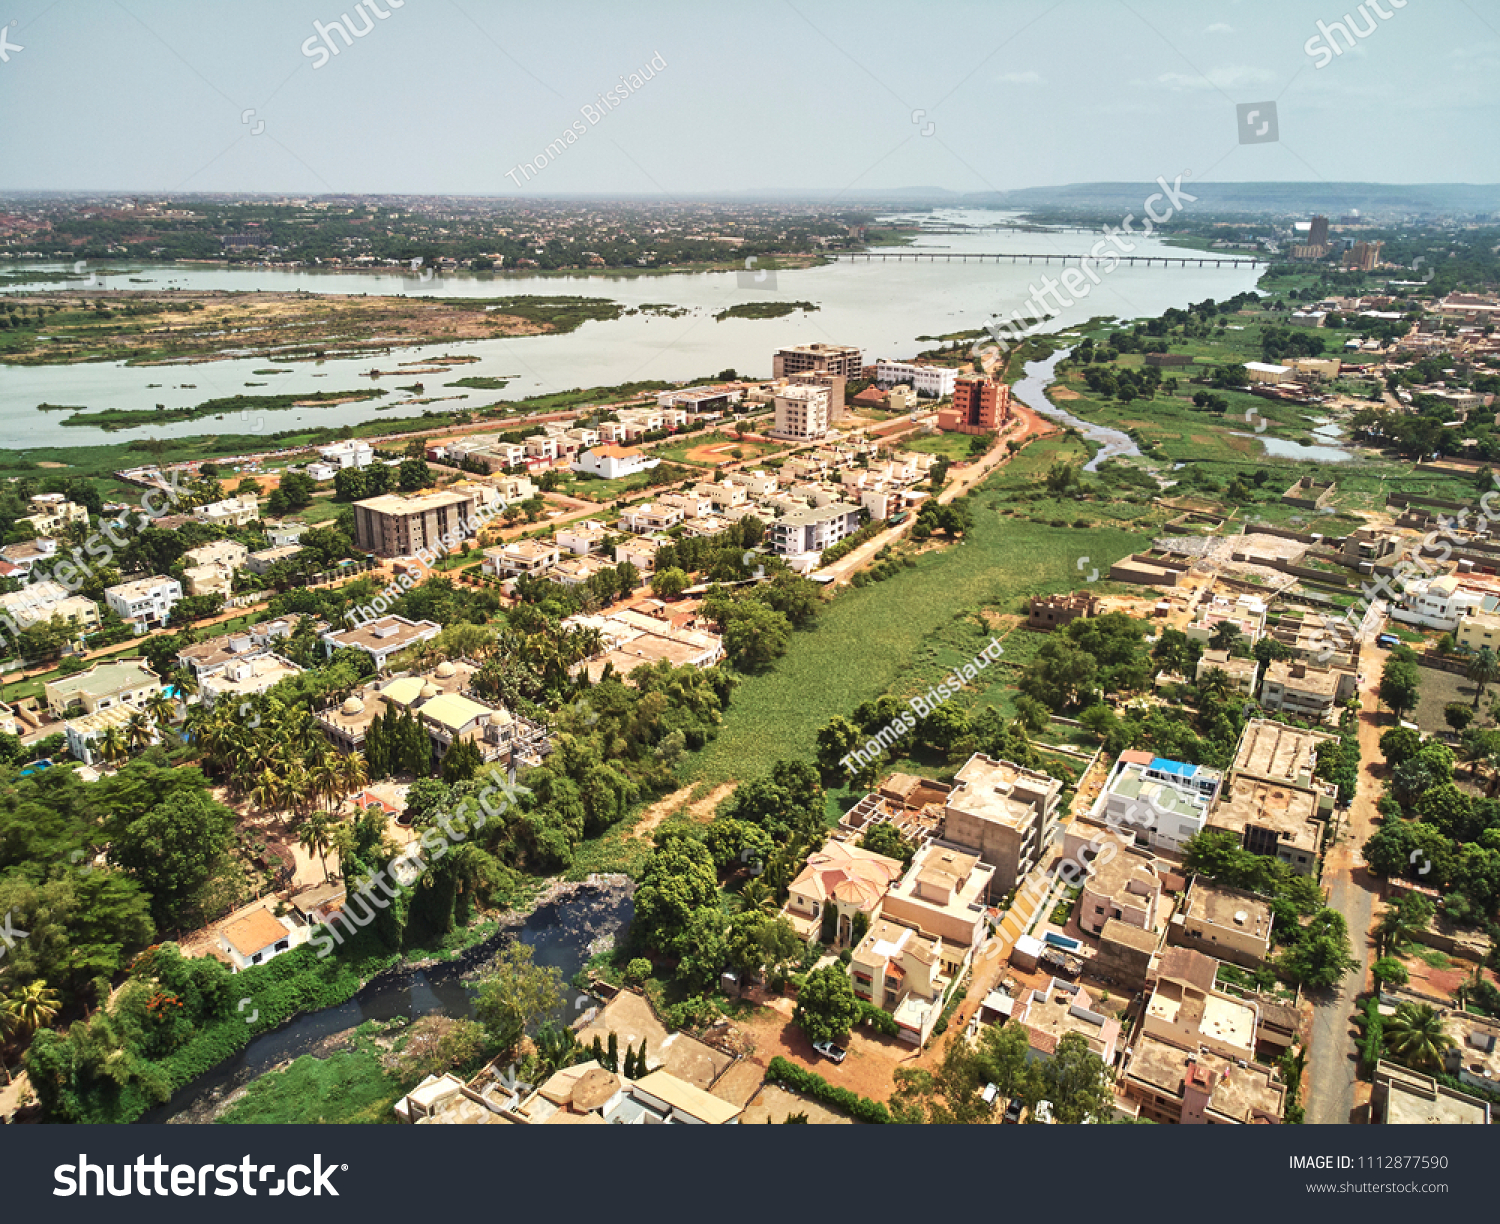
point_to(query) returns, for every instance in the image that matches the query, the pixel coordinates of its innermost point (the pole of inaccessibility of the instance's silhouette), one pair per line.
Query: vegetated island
(762, 310)
(167, 327)
(480, 382)
(111, 419)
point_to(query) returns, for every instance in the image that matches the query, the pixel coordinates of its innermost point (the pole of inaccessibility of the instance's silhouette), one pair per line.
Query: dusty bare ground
(701, 812)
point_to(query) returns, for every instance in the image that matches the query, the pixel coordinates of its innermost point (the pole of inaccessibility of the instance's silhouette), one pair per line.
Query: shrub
(810, 1084)
(638, 970)
(879, 1019)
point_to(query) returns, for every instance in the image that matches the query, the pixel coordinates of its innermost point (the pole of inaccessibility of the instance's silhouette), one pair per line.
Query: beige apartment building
(942, 894)
(1124, 886)
(904, 972)
(1006, 813)
(1228, 923)
(801, 413)
(842, 359)
(393, 525)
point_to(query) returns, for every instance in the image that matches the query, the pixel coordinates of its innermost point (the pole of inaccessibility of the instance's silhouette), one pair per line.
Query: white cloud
(1019, 78)
(1219, 27)
(1236, 76)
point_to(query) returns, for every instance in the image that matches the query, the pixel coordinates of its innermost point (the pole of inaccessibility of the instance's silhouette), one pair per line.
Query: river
(881, 307)
(1032, 391)
(560, 931)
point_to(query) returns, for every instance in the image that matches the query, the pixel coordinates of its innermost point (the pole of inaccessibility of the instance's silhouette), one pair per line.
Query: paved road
(1332, 1062)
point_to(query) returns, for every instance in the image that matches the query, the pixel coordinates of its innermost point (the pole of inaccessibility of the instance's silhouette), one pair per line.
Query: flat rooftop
(387, 633)
(105, 679)
(1230, 908)
(1000, 791)
(1239, 1094)
(1279, 753)
(1289, 811)
(398, 504)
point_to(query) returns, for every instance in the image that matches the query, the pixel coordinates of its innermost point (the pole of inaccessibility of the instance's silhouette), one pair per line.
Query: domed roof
(429, 691)
(352, 705)
(445, 670)
(499, 718)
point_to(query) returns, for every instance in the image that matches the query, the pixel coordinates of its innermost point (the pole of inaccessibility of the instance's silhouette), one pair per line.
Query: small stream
(1032, 391)
(564, 932)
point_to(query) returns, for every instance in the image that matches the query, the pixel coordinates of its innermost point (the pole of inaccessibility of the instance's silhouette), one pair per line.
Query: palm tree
(184, 680)
(326, 779)
(1396, 930)
(1216, 685)
(1224, 635)
(161, 709)
(758, 895)
(268, 794)
(139, 729)
(112, 747)
(316, 837)
(32, 1006)
(1483, 669)
(355, 774)
(1416, 1036)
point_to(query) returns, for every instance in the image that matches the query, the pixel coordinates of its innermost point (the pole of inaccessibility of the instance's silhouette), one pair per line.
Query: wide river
(883, 307)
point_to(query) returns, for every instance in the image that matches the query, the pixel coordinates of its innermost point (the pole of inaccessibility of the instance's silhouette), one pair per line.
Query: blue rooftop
(1176, 768)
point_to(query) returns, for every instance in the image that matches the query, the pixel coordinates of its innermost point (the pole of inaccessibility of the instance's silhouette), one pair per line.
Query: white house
(144, 603)
(254, 938)
(612, 462)
(930, 381)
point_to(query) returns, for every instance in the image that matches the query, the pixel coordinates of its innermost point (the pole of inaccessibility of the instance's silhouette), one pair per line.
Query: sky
(826, 99)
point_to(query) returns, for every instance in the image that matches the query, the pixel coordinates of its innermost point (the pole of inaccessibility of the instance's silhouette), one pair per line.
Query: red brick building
(980, 406)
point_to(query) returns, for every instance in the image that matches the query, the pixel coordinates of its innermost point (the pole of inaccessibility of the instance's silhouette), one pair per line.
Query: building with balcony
(801, 413)
(381, 638)
(394, 525)
(900, 970)
(980, 406)
(144, 603)
(519, 557)
(943, 895)
(1306, 690)
(231, 512)
(1230, 924)
(38, 602)
(843, 878)
(1004, 812)
(813, 529)
(1123, 886)
(102, 687)
(929, 382)
(1160, 802)
(842, 359)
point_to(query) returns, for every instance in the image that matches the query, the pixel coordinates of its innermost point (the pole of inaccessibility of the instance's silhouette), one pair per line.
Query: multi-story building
(801, 413)
(701, 399)
(651, 517)
(1363, 256)
(1247, 613)
(813, 529)
(842, 359)
(1123, 886)
(1228, 923)
(1242, 673)
(351, 454)
(1005, 812)
(1405, 1097)
(1305, 689)
(613, 462)
(102, 687)
(1272, 802)
(904, 972)
(231, 512)
(843, 878)
(582, 538)
(1049, 1015)
(40, 601)
(381, 638)
(1187, 1009)
(393, 525)
(144, 603)
(51, 512)
(980, 405)
(942, 894)
(261, 562)
(930, 382)
(520, 557)
(1479, 630)
(1317, 231)
(1161, 802)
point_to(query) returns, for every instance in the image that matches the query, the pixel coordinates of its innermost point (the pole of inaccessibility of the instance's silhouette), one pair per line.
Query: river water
(560, 931)
(883, 307)
(1032, 391)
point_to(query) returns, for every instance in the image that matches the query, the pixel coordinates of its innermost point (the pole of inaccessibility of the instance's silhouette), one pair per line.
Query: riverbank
(565, 922)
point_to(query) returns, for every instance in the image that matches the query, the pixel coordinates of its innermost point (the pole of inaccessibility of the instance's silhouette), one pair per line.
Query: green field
(901, 635)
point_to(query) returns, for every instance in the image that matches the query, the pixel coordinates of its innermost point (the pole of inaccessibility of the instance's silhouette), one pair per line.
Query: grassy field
(679, 452)
(901, 635)
(953, 446)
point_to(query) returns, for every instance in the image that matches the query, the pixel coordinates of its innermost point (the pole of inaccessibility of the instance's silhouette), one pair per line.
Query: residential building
(394, 525)
(278, 534)
(801, 413)
(651, 517)
(102, 687)
(833, 384)
(898, 969)
(813, 529)
(1169, 1085)
(203, 659)
(723, 496)
(1123, 886)
(587, 1093)
(1272, 802)
(1228, 923)
(350, 454)
(254, 938)
(84, 733)
(520, 557)
(980, 406)
(1247, 613)
(51, 512)
(1242, 673)
(613, 462)
(262, 561)
(635, 639)
(846, 879)
(943, 895)
(843, 359)
(1065, 1007)
(1052, 611)
(930, 382)
(42, 600)
(1479, 630)
(1005, 812)
(701, 399)
(1402, 1097)
(231, 512)
(27, 554)
(144, 603)
(242, 678)
(575, 571)
(210, 568)
(1437, 603)
(582, 538)
(1305, 689)
(381, 638)
(1188, 1011)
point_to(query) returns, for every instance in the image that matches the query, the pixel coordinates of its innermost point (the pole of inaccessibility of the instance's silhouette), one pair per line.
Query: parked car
(1386, 640)
(828, 1050)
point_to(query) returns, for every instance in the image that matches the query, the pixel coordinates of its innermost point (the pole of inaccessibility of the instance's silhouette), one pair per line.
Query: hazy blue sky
(811, 96)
